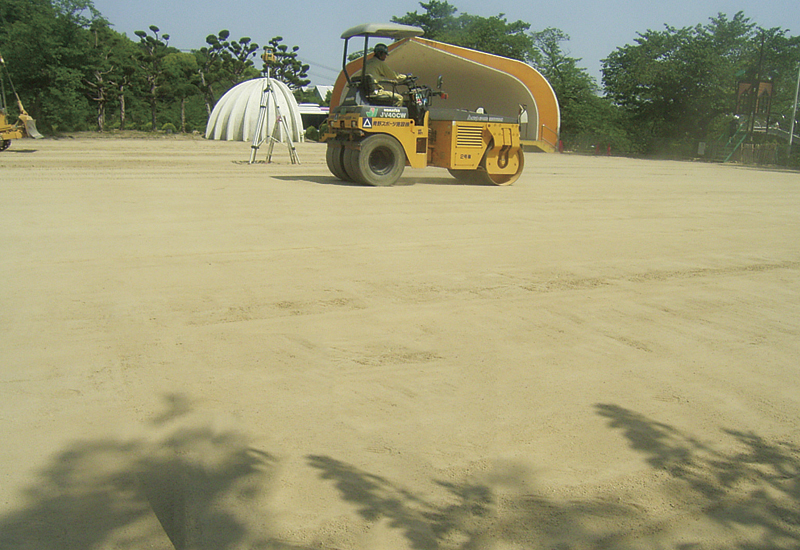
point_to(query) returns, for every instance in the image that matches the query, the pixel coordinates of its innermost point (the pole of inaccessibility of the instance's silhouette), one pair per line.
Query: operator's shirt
(380, 70)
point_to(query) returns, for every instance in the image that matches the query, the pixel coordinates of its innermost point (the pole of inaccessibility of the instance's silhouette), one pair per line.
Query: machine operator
(380, 71)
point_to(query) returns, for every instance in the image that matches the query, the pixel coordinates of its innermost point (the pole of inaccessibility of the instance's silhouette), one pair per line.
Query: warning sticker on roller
(366, 123)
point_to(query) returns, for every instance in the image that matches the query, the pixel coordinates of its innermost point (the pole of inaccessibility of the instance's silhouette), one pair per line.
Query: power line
(319, 65)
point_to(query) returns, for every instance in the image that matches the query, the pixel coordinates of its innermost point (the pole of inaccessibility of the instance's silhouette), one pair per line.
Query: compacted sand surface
(199, 353)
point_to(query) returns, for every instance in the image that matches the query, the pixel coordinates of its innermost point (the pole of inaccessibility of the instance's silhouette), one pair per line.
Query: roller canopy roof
(395, 31)
(473, 80)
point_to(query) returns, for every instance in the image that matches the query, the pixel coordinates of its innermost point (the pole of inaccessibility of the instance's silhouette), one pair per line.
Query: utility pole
(751, 126)
(794, 114)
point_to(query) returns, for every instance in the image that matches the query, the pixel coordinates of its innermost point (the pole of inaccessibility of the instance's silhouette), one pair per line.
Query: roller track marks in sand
(375, 296)
(567, 282)
(512, 285)
(713, 271)
(271, 310)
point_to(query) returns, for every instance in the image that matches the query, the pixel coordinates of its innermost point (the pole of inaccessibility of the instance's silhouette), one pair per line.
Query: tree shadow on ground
(757, 488)
(753, 495)
(469, 515)
(188, 487)
(191, 486)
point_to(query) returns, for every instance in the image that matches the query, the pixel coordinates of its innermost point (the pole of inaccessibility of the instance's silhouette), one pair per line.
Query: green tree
(585, 116)
(210, 66)
(229, 60)
(47, 48)
(438, 20)
(573, 85)
(81, 13)
(99, 86)
(152, 51)
(110, 70)
(775, 56)
(679, 84)
(182, 80)
(223, 64)
(240, 60)
(125, 75)
(492, 35)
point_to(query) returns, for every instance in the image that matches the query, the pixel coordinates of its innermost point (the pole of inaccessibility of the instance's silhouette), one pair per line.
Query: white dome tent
(235, 115)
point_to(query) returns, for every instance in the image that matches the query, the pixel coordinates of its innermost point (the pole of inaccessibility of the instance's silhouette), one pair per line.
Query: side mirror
(439, 83)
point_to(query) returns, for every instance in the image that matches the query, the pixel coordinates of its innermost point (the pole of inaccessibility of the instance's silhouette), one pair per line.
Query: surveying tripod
(280, 122)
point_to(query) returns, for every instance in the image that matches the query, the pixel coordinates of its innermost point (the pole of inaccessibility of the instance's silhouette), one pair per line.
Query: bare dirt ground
(199, 353)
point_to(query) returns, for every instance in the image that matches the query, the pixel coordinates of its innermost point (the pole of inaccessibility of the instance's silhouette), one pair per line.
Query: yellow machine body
(25, 125)
(484, 150)
(462, 145)
(413, 138)
(10, 131)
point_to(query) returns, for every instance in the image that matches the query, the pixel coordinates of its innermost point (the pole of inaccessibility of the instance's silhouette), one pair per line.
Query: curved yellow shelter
(475, 80)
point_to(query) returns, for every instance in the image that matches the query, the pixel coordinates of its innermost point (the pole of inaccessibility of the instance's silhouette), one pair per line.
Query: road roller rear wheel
(335, 159)
(380, 161)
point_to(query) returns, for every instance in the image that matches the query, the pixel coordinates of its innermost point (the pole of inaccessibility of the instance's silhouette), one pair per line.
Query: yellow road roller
(371, 139)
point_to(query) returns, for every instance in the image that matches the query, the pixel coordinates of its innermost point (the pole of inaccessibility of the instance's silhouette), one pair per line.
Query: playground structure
(732, 147)
(478, 81)
(753, 112)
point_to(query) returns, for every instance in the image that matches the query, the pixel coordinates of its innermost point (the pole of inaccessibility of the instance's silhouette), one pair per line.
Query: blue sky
(596, 28)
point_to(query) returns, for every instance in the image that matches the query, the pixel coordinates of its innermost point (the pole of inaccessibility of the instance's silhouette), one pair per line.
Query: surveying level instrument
(268, 56)
(280, 122)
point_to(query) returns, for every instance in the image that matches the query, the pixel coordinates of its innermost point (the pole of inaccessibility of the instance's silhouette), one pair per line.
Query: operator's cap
(381, 48)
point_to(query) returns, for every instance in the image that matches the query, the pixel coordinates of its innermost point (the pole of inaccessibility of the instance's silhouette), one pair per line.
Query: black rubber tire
(379, 162)
(334, 156)
(350, 162)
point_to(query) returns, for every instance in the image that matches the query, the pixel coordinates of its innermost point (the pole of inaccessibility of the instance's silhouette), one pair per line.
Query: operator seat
(355, 93)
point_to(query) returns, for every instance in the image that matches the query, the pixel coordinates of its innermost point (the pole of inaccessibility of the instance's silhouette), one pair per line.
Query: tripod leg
(273, 139)
(292, 151)
(262, 113)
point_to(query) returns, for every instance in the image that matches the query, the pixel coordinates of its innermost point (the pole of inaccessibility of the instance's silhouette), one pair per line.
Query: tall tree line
(74, 72)
(675, 85)
(680, 84)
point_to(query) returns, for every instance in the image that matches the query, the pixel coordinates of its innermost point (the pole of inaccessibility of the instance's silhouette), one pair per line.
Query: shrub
(312, 134)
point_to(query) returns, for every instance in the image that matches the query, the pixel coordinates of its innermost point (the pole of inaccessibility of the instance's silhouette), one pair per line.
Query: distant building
(313, 114)
(322, 92)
